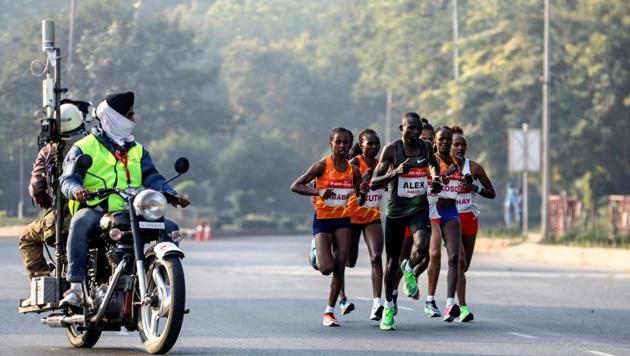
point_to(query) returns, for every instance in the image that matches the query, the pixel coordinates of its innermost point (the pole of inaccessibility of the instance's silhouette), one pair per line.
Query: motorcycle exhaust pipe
(62, 321)
(112, 285)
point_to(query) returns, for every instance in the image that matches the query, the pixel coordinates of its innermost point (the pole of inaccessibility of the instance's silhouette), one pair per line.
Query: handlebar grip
(170, 198)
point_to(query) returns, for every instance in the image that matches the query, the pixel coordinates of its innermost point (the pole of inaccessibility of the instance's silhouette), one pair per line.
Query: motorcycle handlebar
(100, 193)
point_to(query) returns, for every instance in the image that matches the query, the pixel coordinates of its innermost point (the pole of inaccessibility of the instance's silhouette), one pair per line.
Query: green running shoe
(465, 315)
(387, 323)
(410, 287)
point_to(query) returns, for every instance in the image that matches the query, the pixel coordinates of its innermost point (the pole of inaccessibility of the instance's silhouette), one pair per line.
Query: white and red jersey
(432, 198)
(449, 191)
(466, 198)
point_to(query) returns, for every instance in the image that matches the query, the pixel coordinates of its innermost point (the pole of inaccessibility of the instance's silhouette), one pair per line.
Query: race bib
(413, 183)
(342, 188)
(373, 198)
(450, 191)
(464, 201)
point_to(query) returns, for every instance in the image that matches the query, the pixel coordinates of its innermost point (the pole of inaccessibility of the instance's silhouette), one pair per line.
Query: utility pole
(455, 38)
(71, 32)
(545, 126)
(524, 195)
(21, 185)
(388, 117)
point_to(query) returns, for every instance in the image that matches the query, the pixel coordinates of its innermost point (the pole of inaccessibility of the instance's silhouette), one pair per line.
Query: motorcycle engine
(116, 308)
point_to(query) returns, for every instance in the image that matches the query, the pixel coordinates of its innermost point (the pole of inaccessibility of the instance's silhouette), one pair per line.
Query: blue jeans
(85, 228)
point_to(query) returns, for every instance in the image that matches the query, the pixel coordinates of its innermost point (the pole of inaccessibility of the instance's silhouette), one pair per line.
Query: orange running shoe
(330, 320)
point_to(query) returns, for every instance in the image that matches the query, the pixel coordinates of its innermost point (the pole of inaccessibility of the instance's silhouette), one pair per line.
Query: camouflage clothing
(42, 230)
(31, 243)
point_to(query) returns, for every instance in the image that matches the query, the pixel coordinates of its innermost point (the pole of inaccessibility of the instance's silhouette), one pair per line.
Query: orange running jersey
(343, 187)
(371, 209)
(450, 191)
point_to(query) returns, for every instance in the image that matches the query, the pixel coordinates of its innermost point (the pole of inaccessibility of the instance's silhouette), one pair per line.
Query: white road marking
(405, 308)
(599, 353)
(523, 335)
(363, 298)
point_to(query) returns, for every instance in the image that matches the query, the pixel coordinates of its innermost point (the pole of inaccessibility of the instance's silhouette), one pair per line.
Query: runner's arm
(487, 190)
(356, 180)
(300, 185)
(382, 173)
(433, 162)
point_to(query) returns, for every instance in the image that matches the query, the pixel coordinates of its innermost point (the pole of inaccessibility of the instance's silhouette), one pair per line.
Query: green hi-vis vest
(106, 166)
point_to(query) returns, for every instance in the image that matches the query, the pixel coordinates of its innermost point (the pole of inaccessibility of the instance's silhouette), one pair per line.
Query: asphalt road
(257, 295)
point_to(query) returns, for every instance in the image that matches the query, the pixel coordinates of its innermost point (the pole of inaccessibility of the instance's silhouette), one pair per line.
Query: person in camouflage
(42, 230)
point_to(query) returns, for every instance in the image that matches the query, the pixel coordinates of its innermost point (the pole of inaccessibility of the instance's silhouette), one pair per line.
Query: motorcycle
(126, 285)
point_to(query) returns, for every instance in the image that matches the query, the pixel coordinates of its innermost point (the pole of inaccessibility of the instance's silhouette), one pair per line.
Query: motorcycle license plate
(151, 225)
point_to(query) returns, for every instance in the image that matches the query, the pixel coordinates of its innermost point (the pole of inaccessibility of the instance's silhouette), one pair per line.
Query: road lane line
(523, 335)
(599, 353)
(405, 308)
(363, 298)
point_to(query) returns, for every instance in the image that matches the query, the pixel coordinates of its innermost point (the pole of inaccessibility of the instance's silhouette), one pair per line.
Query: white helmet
(71, 118)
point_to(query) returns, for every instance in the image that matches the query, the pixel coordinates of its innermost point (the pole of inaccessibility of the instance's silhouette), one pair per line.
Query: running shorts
(470, 223)
(329, 226)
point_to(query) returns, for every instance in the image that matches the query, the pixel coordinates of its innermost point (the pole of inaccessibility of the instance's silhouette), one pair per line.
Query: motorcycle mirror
(84, 162)
(182, 165)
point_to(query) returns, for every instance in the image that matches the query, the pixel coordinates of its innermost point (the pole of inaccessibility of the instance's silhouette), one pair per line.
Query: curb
(570, 256)
(11, 231)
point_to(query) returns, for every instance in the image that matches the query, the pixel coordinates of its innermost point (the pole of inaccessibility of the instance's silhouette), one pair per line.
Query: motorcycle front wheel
(160, 322)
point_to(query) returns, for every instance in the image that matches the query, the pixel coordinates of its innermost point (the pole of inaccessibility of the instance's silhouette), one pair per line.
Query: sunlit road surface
(258, 295)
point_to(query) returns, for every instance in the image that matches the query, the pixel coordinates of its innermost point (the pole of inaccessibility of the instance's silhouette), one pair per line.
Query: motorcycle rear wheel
(83, 339)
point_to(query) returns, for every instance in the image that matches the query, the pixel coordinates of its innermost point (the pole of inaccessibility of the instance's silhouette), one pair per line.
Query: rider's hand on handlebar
(81, 194)
(181, 200)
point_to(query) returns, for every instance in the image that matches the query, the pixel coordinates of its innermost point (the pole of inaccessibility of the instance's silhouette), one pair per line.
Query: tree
(261, 168)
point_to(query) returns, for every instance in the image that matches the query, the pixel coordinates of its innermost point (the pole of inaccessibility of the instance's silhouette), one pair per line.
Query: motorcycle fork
(138, 249)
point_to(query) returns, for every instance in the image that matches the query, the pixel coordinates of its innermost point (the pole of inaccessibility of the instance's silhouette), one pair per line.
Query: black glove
(436, 185)
(42, 199)
(362, 198)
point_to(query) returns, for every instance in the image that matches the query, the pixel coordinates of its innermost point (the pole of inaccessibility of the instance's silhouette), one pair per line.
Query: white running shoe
(346, 306)
(377, 312)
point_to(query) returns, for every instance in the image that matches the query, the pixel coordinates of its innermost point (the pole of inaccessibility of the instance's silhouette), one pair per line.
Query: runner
(476, 182)
(448, 217)
(427, 134)
(404, 164)
(366, 219)
(435, 247)
(335, 181)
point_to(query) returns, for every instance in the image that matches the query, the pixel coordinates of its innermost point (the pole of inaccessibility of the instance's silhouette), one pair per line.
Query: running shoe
(377, 312)
(431, 309)
(330, 320)
(451, 312)
(312, 257)
(410, 287)
(387, 323)
(465, 315)
(346, 306)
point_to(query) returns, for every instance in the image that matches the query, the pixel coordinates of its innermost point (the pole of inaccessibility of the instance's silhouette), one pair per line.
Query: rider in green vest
(120, 162)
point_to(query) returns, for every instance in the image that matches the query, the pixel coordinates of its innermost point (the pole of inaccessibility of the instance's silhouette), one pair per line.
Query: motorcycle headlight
(150, 204)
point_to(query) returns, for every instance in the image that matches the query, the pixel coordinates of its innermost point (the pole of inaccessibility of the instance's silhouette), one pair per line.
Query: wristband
(479, 189)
